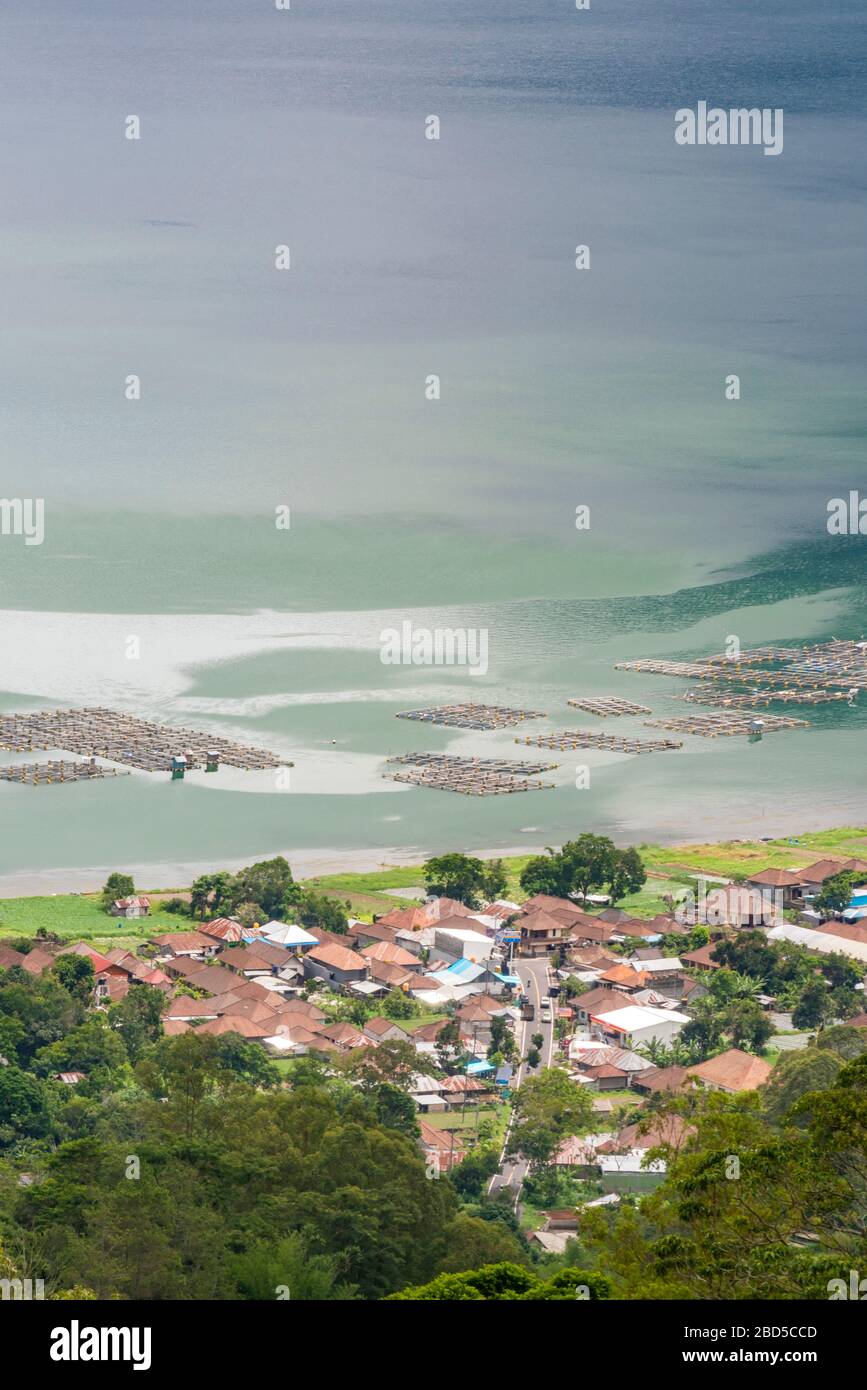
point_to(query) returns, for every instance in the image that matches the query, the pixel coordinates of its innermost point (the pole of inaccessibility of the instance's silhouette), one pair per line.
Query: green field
(77, 918)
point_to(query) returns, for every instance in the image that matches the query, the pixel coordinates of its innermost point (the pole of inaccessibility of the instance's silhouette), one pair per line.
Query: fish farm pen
(43, 774)
(469, 776)
(471, 716)
(122, 738)
(751, 699)
(588, 738)
(822, 667)
(609, 704)
(712, 724)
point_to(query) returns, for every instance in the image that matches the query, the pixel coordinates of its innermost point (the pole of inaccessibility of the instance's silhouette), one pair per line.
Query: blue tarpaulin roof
(475, 1068)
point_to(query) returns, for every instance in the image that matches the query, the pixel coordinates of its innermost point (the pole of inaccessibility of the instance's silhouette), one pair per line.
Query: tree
(75, 973)
(210, 893)
(495, 880)
(813, 1007)
(548, 1108)
(545, 873)
(289, 1264)
(534, 1057)
(703, 1034)
(395, 1109)
(502, 1040)
(582, 865)
(747, 1024)
(457, 876)
(470, 1176)
(312, 909)
(626, 873)
(136, 1018)
(24, 1106)
(116, 886)
(393, 1061)
(448, 1045)
(836, 892)
(269, 882)
(471, 1242)
(398, 1005)
(509, 1281)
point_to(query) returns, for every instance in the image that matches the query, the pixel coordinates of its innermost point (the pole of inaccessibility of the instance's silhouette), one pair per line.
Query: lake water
(306, 389)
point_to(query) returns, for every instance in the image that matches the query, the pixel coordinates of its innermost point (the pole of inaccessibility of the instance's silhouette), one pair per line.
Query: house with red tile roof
(732, 1071)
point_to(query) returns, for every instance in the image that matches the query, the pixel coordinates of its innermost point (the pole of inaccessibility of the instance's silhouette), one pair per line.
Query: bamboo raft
(123, 738)
(718, 723)
(471, 716)
(44, 774)
(587, 738)
(468, 776)
(609, 704)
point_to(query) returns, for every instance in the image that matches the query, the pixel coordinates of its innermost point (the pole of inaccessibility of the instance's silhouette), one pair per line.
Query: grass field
(82, 918)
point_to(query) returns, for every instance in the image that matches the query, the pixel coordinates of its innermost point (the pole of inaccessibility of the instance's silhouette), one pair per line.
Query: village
(464, 1007)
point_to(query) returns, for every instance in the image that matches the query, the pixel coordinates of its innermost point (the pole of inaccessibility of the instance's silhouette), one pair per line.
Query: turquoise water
(559, 390)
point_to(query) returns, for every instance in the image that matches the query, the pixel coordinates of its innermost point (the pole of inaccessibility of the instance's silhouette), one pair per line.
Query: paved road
(533, 975)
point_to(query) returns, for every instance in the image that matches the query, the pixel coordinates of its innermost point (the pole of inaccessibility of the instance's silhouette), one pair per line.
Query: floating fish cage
(751, 699)
(608, 705)
(123, 738)
(471, 716)
(45, 774)
(822, 666)
(571, 739)
(721, 723)
(469, 776)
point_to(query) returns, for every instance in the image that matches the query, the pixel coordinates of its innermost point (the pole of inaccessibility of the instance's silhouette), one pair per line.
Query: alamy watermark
(738, 126)
(439, 646)
(23, 516)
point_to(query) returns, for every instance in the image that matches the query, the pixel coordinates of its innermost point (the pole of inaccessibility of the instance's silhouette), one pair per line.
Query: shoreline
(176, 876)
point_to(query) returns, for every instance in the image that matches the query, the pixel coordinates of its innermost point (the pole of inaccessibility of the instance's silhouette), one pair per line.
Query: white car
(546, 1002)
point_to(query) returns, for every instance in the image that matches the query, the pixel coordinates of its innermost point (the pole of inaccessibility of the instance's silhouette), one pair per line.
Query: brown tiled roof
(390, 954)
(399, 919)
(624, 975)
(850, 931)
(37, 960)
(344, 1034)
(184, 941)
(438, 1138)
(379, 1026)
(240, 958)
(544, 902)
(775, 878)
(183, 1007)
(346, 941)
(10, 957)
(601, 1000)
(393, 975)
(734, 1070)
(235, 1023)
(337, 958)
(661, 1079)
(215, 980)
(429, 1032)
(540, 923)
(702, 956)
